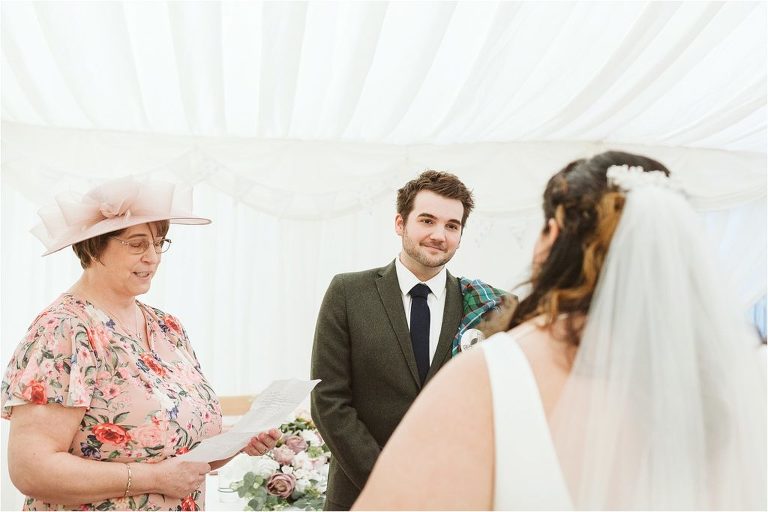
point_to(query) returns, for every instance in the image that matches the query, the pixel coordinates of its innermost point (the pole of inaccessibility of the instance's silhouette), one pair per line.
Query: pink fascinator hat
(112, 206)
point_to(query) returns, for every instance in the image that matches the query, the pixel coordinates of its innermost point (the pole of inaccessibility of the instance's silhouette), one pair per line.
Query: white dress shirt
(435, 300)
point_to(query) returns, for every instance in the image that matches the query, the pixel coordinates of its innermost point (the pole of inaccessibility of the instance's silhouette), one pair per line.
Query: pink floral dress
(141, 406)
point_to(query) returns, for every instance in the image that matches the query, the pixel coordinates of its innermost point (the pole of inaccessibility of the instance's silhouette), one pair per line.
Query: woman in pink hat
(104, 391)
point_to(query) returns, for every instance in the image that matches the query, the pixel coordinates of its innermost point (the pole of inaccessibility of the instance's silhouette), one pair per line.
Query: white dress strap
(527, 472)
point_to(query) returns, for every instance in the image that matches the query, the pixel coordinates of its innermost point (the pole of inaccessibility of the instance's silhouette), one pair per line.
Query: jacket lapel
(391, 297)
(454, 310)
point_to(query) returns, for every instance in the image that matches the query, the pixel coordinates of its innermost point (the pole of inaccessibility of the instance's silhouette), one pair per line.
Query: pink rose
(109, 390)
(152, 364)
(98, 337)
(283, 455)
(110, 433)
(34, 392)
(172, 323)
(281, 484)
(147, 435)
(295, 443)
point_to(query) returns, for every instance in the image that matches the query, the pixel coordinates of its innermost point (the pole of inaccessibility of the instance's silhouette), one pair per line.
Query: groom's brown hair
(441, 183)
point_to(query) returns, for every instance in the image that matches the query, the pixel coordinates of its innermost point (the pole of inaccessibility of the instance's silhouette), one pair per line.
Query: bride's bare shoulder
(549, 356)
(535, 336)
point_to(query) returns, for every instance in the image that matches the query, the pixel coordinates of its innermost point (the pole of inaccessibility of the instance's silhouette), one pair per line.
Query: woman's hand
(263, 442)
(179, 478)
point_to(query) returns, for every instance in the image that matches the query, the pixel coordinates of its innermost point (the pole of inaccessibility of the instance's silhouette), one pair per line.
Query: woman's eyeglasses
(140, 245)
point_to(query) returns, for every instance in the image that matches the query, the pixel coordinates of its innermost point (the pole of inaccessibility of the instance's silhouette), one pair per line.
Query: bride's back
(549, 356)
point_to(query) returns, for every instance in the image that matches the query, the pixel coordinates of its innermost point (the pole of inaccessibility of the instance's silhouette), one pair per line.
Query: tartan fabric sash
(479, 298)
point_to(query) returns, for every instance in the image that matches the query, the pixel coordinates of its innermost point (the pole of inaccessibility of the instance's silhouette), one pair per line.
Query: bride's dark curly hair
(587, 212)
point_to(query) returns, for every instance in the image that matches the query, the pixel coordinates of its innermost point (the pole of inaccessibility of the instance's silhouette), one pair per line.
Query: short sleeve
(54, 363)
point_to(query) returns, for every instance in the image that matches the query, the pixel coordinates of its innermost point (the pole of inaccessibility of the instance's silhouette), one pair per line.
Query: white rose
(236, 468)
(322, 486)
(301, 485)
(263, 466)
(288, 470)
(301, 460)
(310, 437)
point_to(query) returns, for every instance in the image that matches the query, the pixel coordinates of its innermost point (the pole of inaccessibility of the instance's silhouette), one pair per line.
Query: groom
(383, 333)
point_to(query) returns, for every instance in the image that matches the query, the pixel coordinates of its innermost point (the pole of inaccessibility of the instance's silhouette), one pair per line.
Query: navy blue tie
(420, 328)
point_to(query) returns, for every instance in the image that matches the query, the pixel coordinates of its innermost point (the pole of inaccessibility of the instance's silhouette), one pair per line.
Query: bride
(627, 378)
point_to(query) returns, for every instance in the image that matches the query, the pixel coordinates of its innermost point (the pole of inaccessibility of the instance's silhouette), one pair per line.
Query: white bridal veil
(665, 407)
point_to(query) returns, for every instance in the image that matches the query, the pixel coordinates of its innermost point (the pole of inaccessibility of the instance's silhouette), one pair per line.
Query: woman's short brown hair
(91, 249)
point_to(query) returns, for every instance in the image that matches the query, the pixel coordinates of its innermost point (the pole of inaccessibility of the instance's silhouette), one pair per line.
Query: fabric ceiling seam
(644, 29)
(750, 133)
(467, 35)
(76, 97)
(221, 73)
(509, 16)
(364, 77)
(506, 14)
(604, 142)
(735, 101)
(23, 95)
(275, 107)
(740, 107)
(622, 103)
(26, 84)
(189, 117)
(364, 55)
(415, 90)
(489, 126)
(289, 111)
(628, 102)
(391, 116)
(135, 75)
(509, 113)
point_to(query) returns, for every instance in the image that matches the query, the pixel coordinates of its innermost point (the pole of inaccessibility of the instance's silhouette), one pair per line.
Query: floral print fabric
(141, 405)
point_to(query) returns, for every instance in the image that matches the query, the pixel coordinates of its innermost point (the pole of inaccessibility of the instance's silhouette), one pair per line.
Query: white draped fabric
(671, 73)
(298, 121)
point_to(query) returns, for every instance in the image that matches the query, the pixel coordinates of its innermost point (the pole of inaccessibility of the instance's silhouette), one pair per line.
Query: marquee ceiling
(689, 74)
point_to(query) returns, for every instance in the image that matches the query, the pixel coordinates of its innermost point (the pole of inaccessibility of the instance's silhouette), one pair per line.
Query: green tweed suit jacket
(362, 352)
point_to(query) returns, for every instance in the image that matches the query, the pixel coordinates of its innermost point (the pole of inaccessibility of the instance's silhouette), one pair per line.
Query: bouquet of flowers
(294, 474)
